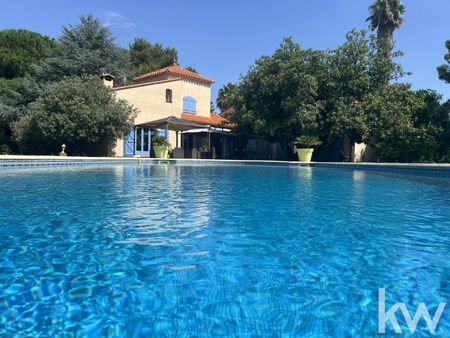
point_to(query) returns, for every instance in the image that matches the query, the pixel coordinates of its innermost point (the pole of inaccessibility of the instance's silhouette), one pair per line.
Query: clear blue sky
(221, 39)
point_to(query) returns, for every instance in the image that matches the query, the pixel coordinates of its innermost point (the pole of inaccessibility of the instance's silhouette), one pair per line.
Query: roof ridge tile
(175, 70)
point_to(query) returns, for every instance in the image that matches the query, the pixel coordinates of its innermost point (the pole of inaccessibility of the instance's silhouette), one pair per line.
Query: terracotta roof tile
(174, 70)
(134, 85)
(213, 119)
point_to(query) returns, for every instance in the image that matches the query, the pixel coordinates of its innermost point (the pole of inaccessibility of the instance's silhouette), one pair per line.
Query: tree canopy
(389, 115)
(277, 97)
(297, 91)
(444, 70)
(20, 49)
(337, 93)
(30, 62)
(225, 96)
(78, 111)
(84, 49)
(349, 81)
(146, 57)
(351, 91)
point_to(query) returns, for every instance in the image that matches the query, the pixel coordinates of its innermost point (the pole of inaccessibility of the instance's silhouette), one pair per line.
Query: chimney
(108, 79)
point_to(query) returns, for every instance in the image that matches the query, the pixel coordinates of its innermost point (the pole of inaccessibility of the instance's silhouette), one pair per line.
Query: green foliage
(160, 141)
(349, 81)
(5, 134)
(4, 149)
(11, 108)
(385, 17)
(299, 91)
(146, 57)
(444, 148)
(276, 100)
(78, 111)
(403, 125)
(8, 114)
(307, 141)
(444, 70)
(20, 49)
(225, 96)
(356, 69)
(192, 69)
(342, 92)
(435, 118)
(85, 49)
(11, 91)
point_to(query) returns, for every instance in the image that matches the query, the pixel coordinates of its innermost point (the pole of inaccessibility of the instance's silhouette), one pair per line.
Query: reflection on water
(166, 250)
(304, 173)
(156, 198)
(358, 175)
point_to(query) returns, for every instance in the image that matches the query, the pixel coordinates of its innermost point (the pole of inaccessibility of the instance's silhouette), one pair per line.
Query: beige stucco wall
(365, 153)
(202, 94)
(151, 102)
(360, 149)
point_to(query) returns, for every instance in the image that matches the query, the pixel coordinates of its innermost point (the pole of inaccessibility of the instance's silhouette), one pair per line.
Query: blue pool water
(125, 250)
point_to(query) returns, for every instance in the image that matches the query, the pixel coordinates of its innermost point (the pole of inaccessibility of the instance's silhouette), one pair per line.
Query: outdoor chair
(344, 158)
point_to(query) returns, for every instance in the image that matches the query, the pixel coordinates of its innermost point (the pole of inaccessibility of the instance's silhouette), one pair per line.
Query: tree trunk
(386, 39)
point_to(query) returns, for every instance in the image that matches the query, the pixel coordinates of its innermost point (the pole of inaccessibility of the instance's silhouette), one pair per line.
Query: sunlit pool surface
(126, 250)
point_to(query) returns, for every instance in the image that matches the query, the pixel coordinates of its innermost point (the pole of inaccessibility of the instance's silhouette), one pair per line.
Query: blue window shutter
(189, 104)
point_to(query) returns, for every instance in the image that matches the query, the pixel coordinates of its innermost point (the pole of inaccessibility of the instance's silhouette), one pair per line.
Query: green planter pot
(305, 154)
(161, 151)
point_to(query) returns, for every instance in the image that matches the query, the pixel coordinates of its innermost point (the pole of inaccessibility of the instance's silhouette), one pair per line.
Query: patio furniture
(344, 158)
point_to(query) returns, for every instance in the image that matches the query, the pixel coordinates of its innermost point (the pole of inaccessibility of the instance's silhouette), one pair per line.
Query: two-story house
(171, 91)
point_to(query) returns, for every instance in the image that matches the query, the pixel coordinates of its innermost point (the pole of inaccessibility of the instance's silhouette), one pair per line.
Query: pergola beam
(171, 123)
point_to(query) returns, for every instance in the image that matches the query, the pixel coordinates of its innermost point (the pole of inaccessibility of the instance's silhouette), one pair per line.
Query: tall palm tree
(224, 96)
(386, 16)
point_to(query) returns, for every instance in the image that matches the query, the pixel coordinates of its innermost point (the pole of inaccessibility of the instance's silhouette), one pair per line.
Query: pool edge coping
(30, 160)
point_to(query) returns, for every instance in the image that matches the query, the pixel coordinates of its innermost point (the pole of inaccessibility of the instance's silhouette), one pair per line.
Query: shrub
(78, 111)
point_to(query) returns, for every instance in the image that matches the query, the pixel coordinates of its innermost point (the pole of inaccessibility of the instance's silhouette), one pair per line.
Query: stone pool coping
(32, 161)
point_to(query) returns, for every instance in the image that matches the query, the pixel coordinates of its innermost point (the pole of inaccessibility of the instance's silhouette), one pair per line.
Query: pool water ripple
(126, 250)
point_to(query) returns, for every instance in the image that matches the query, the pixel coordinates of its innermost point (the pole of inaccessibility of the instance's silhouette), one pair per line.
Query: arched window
(189, 105)
(169, 95)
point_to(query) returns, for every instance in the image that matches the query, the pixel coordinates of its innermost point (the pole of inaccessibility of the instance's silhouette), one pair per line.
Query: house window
(169, 95)
(189, 105)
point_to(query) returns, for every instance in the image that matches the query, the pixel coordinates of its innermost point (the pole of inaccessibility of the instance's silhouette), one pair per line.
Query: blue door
(129, 148)
(138, 142)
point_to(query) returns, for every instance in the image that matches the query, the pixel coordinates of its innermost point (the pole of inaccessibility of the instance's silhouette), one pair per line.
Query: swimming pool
(130, 250)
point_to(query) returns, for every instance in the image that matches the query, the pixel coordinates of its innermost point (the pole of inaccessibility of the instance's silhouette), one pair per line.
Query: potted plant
(161, 146)
(305, 147)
